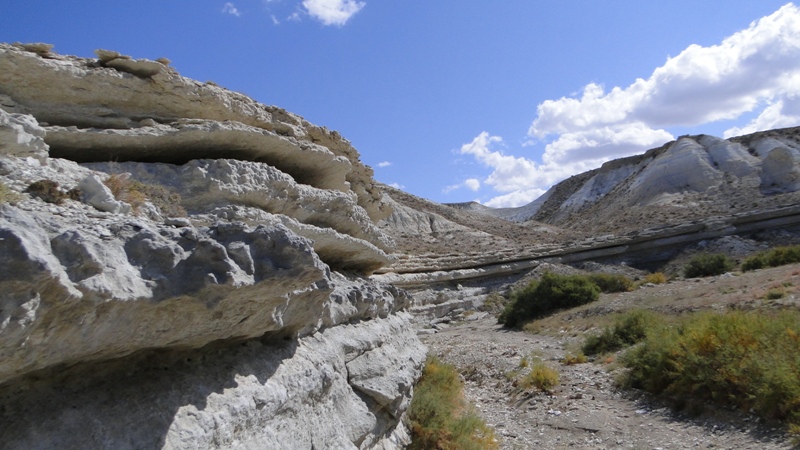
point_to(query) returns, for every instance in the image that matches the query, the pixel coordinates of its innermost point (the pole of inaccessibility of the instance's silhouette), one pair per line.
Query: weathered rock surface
(86, 93)
(21, 135)
(334, 389)
(248, 323)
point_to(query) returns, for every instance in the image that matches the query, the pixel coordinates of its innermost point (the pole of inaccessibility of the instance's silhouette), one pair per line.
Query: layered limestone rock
(341, 388)
(68, 91)
(208, 290)
(21, 135)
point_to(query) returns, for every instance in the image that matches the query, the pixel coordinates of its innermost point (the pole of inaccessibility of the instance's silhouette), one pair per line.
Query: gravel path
(585, 411)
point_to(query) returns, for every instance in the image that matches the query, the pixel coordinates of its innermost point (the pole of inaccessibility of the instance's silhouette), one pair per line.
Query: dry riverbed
(586, 410)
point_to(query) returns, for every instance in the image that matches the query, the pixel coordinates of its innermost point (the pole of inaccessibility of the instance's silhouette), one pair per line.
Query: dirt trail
(585, 411)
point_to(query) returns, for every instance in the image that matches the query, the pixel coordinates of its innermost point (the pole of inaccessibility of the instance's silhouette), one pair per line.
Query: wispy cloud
(473, 184)
(397, 185)
(384, 164)
(756, 70)
(333, 12)
(230, 8)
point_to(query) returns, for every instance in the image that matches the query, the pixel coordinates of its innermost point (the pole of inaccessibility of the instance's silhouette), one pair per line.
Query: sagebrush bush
(610, 283)
(707, 264)
(747, 360)
(440, 417)
(779, 256)
(570, 359)
(628, 329)
(550, 293)
(655, 278)
(542, 377)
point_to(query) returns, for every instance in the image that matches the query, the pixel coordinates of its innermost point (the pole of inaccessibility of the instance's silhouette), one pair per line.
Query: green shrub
(779, 256)
(551, 293)
(707, 264)
(440, 417)
(747, 360)
(571, 359)
(494, 303)
(541, 377)
(628, 329)
(754, 262)
(774, 294)
(609, 283)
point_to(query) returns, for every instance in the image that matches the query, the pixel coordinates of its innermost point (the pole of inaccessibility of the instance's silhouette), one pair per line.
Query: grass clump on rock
(552, 292)
(136, 194)
(7, 195)
(707, 264)
(746, 360)
(440, 417)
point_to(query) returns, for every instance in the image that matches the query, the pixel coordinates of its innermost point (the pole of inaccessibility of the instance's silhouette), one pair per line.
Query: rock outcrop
(80, 94)
(207, 289)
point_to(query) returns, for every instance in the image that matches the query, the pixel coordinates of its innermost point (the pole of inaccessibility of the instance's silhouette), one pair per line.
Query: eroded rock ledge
(69, 91)
(246, 321)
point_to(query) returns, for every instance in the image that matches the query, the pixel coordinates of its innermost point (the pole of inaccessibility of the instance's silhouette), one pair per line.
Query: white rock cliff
(244, 320)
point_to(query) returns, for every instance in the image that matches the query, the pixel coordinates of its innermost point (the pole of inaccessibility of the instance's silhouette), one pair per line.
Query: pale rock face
(247, 324)
(780, 170)
(207, 184)
(99, 195)
(684, 166)
(730, 157)
(21, 135)
(598, 186)
(258, 395)
(185, 140)
(70, 91)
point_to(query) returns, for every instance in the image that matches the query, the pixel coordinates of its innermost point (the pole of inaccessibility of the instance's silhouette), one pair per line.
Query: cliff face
(191, 271)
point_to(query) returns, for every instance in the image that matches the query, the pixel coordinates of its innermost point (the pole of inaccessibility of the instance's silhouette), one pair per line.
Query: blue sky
(466, 100)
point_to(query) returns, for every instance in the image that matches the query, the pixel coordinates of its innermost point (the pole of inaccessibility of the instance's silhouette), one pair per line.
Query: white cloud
(752, 68)
(473, 184)
(230, 8)
(521, 177)
(397, 185)
(384, 164)
(781, 114)
(756, 70)
(333, 12)
(516, 198)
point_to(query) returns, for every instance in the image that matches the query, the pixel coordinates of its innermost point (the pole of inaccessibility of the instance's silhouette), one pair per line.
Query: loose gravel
(586, 410)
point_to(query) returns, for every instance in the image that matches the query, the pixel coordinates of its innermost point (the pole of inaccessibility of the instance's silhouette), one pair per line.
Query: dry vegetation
(440, 417)
(729, 340)
(136, 194)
